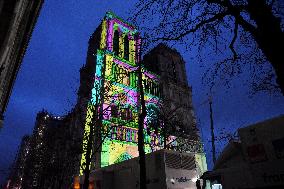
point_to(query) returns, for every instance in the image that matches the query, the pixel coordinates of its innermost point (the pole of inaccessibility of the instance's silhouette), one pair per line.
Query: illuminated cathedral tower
(109, 95)
(108, 90)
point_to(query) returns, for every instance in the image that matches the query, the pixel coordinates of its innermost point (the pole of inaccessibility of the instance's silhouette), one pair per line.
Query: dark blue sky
(49, 77)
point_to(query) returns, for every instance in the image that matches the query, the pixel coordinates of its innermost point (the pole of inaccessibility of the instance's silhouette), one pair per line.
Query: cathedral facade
(110, 94)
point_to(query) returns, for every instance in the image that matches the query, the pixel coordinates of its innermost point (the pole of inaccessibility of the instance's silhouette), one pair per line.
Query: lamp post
(212, 130)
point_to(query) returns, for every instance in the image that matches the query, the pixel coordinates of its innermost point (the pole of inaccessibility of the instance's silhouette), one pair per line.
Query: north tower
(109, 93)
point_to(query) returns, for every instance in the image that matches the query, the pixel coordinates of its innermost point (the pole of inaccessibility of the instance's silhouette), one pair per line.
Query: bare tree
(141, 145)
(221, 24)
(166, 124)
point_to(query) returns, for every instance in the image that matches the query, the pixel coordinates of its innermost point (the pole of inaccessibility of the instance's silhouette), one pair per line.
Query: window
(114, 132)
(278, 146)
(151, 87)
(123, 114)
(126, 47)
(174, 71)
(114, 110)
(146, 88)
(120, 74)
(126, 114)
(116, 42)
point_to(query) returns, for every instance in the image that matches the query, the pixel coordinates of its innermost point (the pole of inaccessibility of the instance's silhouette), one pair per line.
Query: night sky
(49, 78)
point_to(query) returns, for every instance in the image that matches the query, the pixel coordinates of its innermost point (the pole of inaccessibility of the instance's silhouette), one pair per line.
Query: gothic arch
(116, 42)
(126, 47)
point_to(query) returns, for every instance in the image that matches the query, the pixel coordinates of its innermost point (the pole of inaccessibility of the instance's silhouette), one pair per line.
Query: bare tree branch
(198, 26)
(235, 56)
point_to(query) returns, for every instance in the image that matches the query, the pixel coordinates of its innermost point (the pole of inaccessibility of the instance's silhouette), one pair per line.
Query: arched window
(116, 42)
(146, 86)
(126, 47)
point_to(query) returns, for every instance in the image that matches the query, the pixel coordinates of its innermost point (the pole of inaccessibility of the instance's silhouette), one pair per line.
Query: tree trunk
(269, 36)
(212, 132)
(88, 162)
(89, 151)
(165, 134)
(142, 160)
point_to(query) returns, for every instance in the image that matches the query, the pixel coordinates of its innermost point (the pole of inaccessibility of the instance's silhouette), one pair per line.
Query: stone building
(17, 173)
(109, 96)
(17, 20)
(176, 93)
(49, 157)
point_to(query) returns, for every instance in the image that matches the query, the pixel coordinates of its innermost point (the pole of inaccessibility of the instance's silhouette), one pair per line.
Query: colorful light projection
(116, 94)
(88, 123)
(125, 31)
(130, 134)
(116, 151)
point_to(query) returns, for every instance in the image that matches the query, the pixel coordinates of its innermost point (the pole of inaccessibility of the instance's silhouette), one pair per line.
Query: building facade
(49, 157)
(110, 94)
(258, 155)
(17, 173)
(17, 20)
